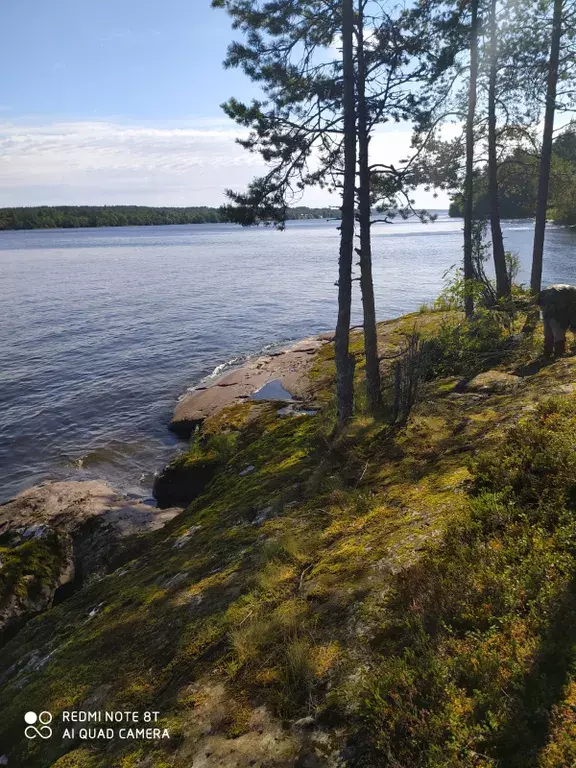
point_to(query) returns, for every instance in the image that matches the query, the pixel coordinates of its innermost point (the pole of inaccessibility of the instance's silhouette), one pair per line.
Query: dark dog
(558, 306)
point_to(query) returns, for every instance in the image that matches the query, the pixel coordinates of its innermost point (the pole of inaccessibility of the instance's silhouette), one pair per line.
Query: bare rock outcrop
(279, 376)
(55, 535)
(491, 382)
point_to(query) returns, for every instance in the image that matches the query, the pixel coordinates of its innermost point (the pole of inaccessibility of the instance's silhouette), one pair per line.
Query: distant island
(75, 216)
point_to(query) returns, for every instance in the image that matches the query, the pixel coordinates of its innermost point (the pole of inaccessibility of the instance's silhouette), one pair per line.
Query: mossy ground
(30, 571)
(377, 583)
(40, 558)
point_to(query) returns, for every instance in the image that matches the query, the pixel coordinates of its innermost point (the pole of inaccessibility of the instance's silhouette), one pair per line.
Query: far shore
(96, 216)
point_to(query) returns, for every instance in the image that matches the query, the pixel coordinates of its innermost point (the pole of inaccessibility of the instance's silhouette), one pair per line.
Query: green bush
(465, 348)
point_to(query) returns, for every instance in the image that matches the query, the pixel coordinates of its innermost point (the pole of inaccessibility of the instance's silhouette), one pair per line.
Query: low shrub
(477, 639)
(537, 467)
(468, 347)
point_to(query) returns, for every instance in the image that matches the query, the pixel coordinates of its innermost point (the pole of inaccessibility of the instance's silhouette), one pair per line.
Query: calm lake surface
(102, 329)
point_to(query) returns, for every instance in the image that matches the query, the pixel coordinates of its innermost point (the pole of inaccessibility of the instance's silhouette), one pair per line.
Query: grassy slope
(377, 584)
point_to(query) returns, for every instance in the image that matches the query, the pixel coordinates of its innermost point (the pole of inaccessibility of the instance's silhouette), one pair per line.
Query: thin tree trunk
(469, 181)
(344, 360)
(373, 392)
(502, 282)
(546, 156)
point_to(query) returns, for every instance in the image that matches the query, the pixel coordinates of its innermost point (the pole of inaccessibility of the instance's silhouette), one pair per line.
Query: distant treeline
(73, 216)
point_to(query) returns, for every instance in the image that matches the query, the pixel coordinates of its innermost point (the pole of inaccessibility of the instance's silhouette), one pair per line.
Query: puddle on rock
(273, 390)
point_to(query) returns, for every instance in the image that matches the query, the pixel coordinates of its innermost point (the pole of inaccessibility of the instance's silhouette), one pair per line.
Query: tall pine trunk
(373, 392)
(546, 156)
(502, 282)
(344, 360)
(469, 181)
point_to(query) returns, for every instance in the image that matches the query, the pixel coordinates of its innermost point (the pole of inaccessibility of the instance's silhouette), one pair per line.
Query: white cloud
(99, 163)
(106, 162)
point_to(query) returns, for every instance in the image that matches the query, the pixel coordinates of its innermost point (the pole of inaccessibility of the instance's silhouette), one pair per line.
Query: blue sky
(134, 59)
(118, 101)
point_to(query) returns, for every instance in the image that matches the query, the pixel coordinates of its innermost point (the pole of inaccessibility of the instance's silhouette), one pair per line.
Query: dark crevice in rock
(183, 480)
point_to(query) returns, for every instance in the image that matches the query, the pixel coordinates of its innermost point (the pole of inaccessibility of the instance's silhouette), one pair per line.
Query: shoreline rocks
(285, 373)
(55, 535)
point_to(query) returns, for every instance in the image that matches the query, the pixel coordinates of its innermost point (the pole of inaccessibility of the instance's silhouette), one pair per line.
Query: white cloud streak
(106, 162)
(99, 163)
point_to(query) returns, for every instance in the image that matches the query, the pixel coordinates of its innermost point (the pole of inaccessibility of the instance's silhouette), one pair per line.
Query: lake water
(102, 330)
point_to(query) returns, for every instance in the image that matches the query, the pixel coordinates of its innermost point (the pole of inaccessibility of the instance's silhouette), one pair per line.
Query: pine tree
(469, 177)
(546, 152)
(373, 391)
(305, 128)
(498, 251)
(450, 164)
(344, 360)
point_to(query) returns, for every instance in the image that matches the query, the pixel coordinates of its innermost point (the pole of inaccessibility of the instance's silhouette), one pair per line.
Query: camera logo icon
(43, 730)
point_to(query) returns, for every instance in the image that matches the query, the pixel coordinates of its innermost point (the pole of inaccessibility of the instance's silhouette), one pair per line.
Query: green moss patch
(30, 572)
